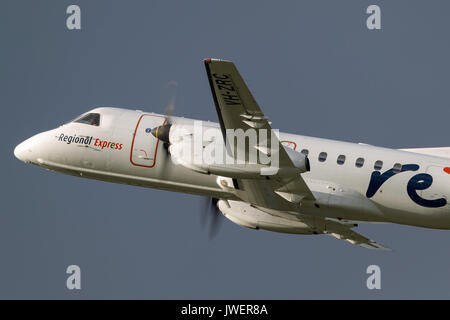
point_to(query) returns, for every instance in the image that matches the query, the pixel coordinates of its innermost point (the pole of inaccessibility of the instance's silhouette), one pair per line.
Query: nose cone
(27, 151)
(23, 151)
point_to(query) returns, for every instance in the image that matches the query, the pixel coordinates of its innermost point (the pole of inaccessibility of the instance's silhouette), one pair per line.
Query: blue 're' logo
(420, 181)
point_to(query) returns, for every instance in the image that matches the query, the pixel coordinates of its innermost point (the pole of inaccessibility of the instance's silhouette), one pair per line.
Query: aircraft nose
(35, 150)
(23, 150)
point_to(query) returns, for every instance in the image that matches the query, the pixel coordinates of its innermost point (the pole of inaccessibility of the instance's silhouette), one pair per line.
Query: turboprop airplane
(259, 178)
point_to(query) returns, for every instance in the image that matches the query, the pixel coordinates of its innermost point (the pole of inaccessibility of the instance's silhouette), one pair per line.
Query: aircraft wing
(237, 109)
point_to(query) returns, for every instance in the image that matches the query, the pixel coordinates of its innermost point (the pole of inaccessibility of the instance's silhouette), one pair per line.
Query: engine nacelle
(248, 216)
(208, 154)
(300, 160)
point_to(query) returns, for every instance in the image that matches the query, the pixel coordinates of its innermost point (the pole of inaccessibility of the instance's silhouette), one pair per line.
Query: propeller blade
(204, 211)
(210, 211)
(162, 132)
(216, 220)
(170, 107)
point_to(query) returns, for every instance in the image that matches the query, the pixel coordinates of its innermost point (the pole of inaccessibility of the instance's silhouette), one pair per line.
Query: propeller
(162, 132)
(210, 211)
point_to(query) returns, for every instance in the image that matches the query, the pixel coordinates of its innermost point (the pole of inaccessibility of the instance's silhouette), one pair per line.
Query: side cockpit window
(92, 119)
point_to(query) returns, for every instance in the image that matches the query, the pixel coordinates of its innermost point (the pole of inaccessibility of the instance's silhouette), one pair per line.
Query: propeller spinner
(162, 132)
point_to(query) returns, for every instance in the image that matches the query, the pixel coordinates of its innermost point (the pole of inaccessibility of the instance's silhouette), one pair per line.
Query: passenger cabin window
(322, 156)
(397, 168)
(305, 152)
(359, 162)
(92, 119)
(378, 165)
(341, 159)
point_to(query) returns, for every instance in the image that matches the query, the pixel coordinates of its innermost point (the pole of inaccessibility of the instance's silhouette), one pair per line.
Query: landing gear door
(145, 146)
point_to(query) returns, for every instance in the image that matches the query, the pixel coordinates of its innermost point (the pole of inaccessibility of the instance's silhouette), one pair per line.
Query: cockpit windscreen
(92, 119)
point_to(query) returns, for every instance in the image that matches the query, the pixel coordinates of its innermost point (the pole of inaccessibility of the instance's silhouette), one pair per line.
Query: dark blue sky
(314, 68)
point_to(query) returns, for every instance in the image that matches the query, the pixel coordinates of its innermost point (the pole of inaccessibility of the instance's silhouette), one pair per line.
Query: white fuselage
(121, 149)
